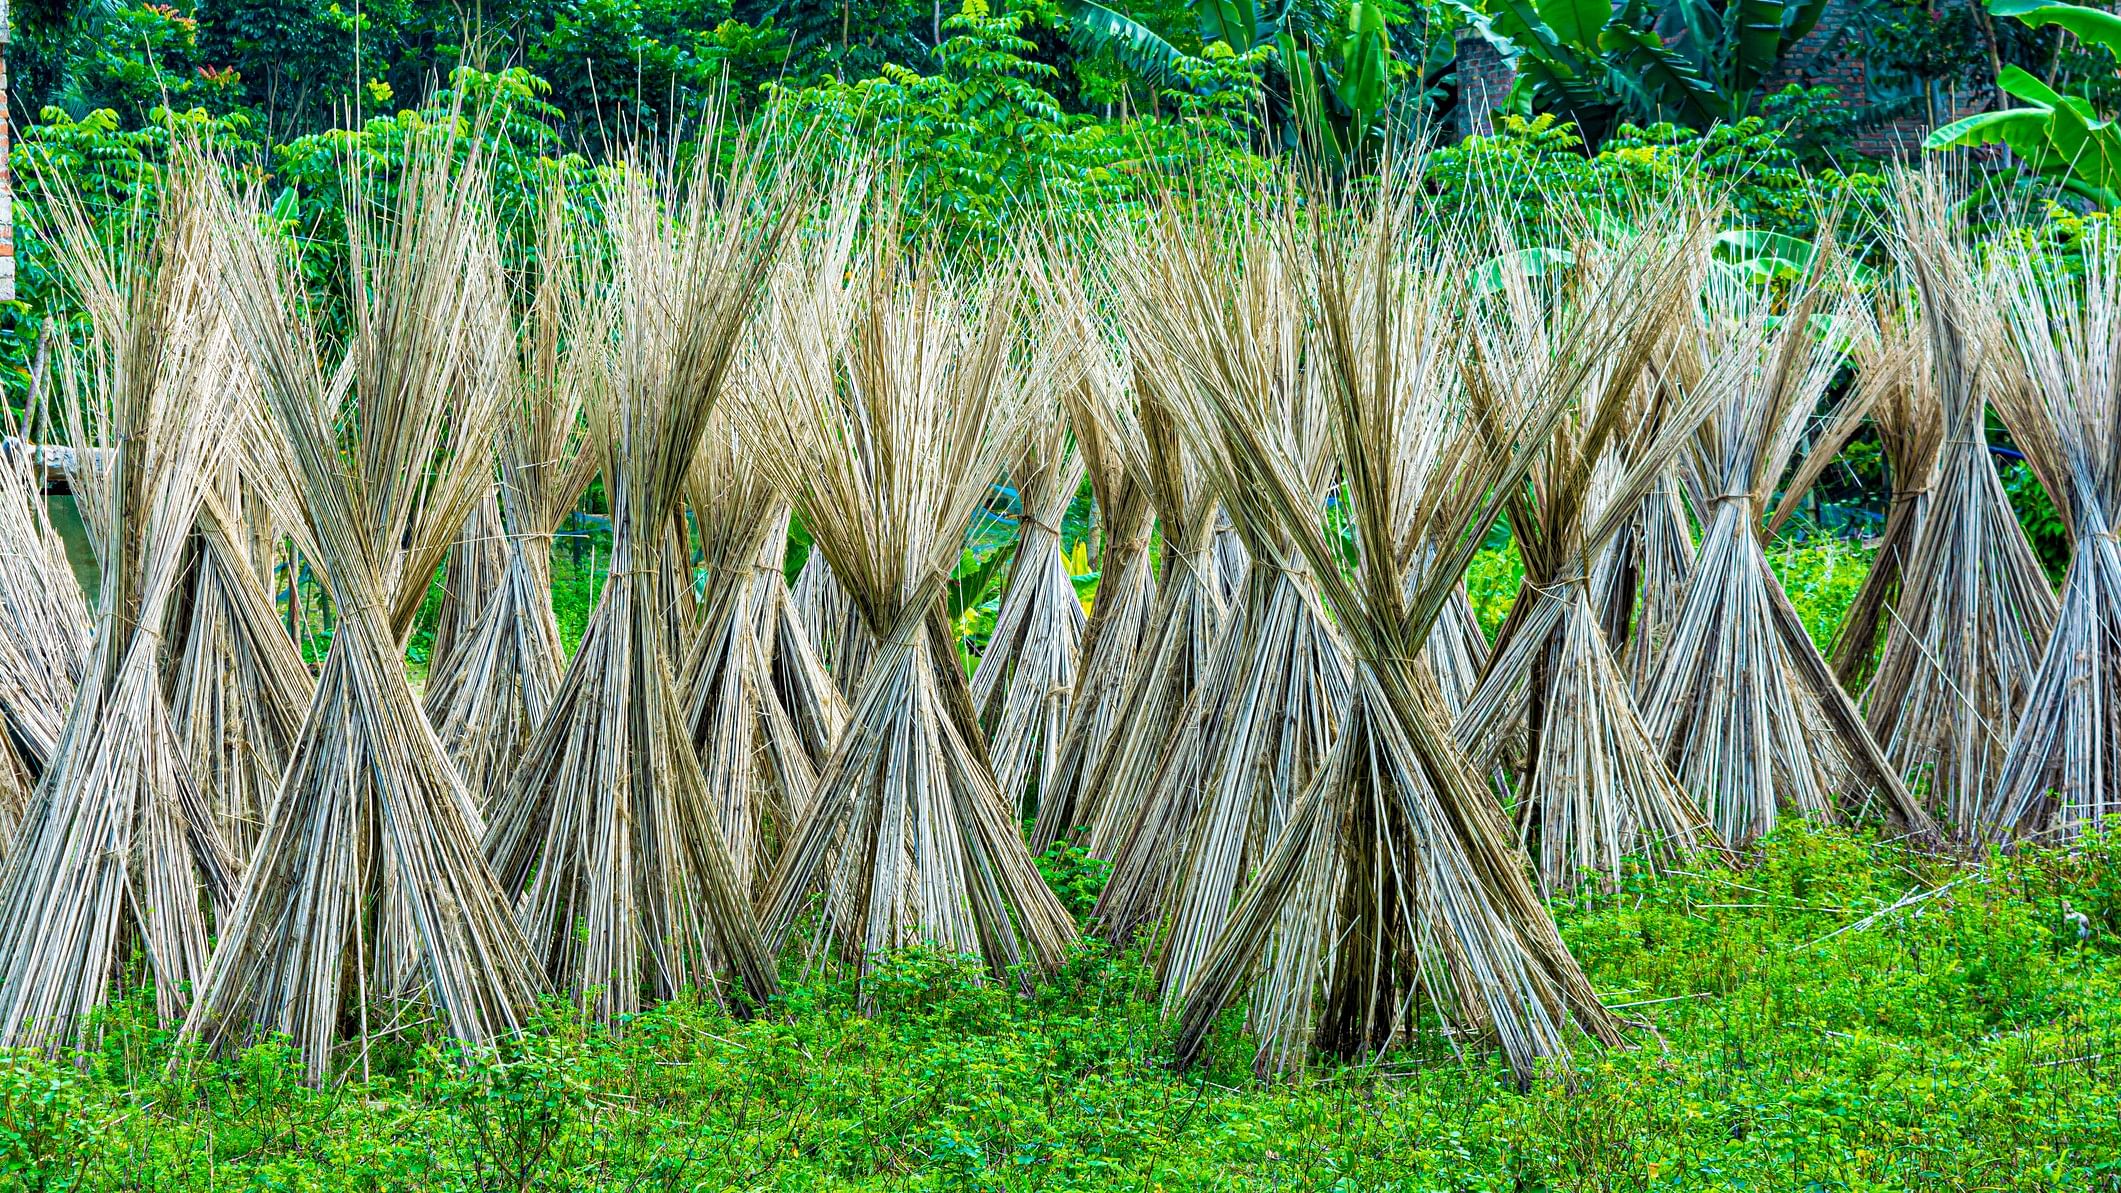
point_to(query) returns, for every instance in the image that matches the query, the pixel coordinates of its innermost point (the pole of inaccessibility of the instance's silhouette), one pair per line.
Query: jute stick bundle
(1025, 679)
(1748, 714)
(240, 688)
(1593, 790)
(1108, 434)
(1187, 626)
(471, 581)
(44, 623)
(608, 829)
(1896, 392)
(368, 884)
(1260, 726)
(117, 849)
(490, 692)
(1642, 581)
(761, 709)
(1396, 876)
(1974, 609)
(2059, 391)
(886, 446)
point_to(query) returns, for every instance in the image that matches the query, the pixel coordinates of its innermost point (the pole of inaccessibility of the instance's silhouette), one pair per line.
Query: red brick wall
(1822, 59)
(1483, 84)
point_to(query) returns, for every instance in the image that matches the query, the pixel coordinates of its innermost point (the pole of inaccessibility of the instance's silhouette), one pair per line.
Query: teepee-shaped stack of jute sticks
(762, 710)
(886, 443)
(488, 694)
(2059, 392)
(1178, 647)
(44, 624)
(1025, 679)
(1895, 392)
(759, 751)
(1396, 879)
(608, 830)
(1593, 789)
(1746, 710)
(368, 882)
(1258, 728)
(118, 850)
(1974, 609)
(239, 689)
(1109, 437)
(43, 632)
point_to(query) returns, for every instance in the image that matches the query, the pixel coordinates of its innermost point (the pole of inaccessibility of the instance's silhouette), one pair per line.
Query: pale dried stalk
(2059, 391)
(608, 830)
(831, 622)
(886, 446)
(368, 883)
(1023, 683)
(117, 849)
(1896, 367)
(1974, 609)
(762, 710)
(755, 751)
(1642, 581)
(1747, 712)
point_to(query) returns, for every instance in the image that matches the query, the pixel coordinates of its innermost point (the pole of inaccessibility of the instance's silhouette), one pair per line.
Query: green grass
(1967, 1041)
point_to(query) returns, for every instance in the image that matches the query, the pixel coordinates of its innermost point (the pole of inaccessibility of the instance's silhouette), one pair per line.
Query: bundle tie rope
(1026, 520)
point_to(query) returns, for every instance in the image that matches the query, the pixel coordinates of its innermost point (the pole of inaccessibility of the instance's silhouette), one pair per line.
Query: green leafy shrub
(1821, 576)
(1536, 169)
(1075, 876)
(1492, 583)
(1840, 1013)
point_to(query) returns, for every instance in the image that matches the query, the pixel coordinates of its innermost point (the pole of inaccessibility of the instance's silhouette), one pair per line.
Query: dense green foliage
(2060, 137)
(1838, 1015)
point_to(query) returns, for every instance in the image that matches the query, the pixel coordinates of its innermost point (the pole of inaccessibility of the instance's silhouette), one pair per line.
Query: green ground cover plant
(1839, 1014)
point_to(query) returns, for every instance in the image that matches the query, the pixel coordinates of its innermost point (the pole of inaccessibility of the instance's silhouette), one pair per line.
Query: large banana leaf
(1313, 123)
(1988, 128)
(2058, 136)
(1803, 18)
(2093, 151)
(1235, 23)
(1576, 22)
(1093, 27)
(1365, 80)
(2089, 24)
(1759, 44)
(1662, 81)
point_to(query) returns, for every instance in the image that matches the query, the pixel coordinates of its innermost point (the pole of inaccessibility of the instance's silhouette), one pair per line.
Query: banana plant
(1339, 102)
(2059, 137)
(1338, 92)
(1692, 62)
